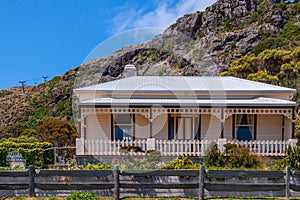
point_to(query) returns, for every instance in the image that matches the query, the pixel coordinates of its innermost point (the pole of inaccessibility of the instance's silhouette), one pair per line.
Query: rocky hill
(200, 43)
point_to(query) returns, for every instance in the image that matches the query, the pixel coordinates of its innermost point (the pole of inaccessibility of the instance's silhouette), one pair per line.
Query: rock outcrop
(200, 43)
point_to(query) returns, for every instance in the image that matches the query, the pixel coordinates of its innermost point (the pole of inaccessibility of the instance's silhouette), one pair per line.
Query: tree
(273, 59)
(289, 74)
(263, 77)
(28, 133)
(57, 131)
(278, 67)
(241, 68)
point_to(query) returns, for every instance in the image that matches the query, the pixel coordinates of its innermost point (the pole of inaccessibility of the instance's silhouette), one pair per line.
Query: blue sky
(49, 37)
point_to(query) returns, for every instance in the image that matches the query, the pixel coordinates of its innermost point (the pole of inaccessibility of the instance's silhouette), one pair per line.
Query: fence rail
(177, 147)
(204, 181)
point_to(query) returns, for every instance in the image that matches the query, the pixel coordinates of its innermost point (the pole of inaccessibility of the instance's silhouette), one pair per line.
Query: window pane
(118, 133)
(244, 133)
(122, 119)
(123, 132)
(244, 119)
(171, 128)
(196, 128)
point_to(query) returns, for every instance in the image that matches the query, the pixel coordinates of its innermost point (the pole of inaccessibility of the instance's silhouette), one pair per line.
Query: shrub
(181, 163)
(126, 149)
(82, 196)
(150, 159)
(4, 93)
(3, 153)
(292, 158)
(241, 157)
(37, 153)
(97, 166)
(234, 157)
(201, 34)
(214, 158)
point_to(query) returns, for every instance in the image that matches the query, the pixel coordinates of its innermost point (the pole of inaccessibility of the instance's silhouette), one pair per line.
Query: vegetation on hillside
(22, 113)
(278, 67)
(288, 38)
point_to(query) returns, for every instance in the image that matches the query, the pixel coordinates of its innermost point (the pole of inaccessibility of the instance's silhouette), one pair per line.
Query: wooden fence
(203, 181)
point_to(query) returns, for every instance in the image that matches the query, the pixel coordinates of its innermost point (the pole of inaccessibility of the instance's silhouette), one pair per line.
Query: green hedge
(35, 153)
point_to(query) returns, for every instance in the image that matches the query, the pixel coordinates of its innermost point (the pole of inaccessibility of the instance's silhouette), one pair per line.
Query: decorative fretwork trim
(217, 112)
(265, 111)
(155, 111)
(212, 111)
(143, 111)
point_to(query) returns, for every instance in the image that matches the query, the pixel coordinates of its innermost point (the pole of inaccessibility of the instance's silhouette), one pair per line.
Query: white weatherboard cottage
(179, 115)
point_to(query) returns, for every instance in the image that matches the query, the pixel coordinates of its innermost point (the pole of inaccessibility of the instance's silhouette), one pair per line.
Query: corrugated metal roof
(183, 84)
(258, 102)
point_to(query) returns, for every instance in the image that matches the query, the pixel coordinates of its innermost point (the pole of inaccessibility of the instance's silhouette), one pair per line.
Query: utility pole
(45, 78)
(23, 83)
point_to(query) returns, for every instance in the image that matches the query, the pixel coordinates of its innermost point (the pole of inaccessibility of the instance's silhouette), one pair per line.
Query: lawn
(149, 198)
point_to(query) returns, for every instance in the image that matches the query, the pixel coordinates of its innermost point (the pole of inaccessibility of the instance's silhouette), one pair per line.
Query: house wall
(142, 127)
(210, 127)
(160, 127)
(228, 128)
(287, 128)
(98, 127)
(269, 127)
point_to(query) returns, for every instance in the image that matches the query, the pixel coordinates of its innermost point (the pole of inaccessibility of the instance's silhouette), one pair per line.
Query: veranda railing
(266, 147)
(180, 147)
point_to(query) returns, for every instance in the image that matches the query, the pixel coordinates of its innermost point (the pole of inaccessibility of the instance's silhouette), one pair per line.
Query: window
(123, 127)
(244, 127)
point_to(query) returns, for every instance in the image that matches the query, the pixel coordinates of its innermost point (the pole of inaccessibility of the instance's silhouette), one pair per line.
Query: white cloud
(162, 16)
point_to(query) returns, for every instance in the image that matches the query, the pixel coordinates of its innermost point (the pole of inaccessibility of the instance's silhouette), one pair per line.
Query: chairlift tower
(23, 83)
(45, 78)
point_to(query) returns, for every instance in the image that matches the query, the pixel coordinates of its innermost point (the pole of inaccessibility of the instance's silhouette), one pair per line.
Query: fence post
(31, 181)
(287, 182)
(201, 182)
(117, 182)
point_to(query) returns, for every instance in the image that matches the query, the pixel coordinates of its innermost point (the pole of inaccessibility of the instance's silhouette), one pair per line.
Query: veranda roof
(255, 102)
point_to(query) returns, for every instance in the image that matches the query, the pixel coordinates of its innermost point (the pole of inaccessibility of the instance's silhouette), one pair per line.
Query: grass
(151, 198)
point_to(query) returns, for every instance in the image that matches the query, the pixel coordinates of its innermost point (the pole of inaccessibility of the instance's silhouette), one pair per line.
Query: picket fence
(180, 147)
